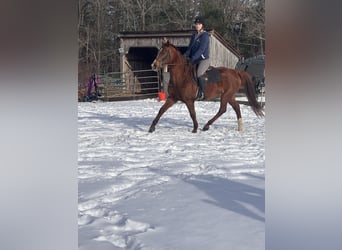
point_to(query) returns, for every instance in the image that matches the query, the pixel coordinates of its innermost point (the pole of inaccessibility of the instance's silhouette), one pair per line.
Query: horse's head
(163, 57)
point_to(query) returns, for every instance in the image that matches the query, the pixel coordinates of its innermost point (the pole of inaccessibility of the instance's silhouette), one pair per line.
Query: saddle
(211, 75)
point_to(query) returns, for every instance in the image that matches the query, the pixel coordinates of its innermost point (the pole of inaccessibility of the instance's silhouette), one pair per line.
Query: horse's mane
(178, 51)
(173, 46)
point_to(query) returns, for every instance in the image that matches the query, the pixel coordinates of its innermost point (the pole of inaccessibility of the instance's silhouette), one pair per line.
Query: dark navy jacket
(198, 48)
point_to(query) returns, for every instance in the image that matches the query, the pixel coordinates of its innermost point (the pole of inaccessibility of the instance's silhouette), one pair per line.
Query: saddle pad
(212, 75)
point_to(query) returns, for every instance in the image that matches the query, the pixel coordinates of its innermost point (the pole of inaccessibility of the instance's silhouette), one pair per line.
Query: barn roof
(178, 33)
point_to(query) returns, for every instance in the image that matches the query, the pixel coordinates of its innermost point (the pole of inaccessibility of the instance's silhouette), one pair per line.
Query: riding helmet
(199, 20)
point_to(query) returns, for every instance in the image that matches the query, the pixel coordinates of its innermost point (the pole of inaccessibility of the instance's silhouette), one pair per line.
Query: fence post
(166, 79)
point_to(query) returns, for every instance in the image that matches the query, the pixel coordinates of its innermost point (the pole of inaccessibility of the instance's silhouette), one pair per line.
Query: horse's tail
(250, 93)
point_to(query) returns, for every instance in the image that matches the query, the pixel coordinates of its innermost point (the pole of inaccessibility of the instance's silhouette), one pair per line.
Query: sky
(170, 189)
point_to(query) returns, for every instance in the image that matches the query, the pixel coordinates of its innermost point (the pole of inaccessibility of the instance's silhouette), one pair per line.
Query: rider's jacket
(199, 47)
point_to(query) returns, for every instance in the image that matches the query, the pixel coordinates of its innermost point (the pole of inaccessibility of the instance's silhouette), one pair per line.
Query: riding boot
(201, 87)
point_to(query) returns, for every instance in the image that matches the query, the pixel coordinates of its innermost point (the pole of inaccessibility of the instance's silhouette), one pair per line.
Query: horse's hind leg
(236, 107)
(169, 102)
(191, 107)
(223, 109)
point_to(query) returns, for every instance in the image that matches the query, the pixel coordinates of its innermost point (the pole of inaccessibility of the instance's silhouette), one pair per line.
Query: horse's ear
(165, 42)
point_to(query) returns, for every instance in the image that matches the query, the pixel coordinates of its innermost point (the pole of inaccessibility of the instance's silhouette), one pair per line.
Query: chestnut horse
(183, 87)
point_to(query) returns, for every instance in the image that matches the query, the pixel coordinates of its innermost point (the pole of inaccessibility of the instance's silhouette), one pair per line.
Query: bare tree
(97, 32)
(256, 22)
(177, 14)
(144, 6)
(99, 21)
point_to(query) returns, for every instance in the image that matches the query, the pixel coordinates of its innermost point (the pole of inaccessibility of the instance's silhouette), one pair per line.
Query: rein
(176, 64)
(160, 60)
(167, 55)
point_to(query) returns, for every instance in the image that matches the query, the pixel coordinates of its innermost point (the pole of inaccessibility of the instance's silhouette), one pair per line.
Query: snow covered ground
(170, 189)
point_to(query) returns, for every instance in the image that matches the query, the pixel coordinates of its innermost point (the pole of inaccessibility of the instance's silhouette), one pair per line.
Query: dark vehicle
(255, 66)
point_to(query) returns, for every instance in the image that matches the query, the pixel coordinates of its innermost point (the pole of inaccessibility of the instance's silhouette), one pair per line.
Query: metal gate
(136, 84)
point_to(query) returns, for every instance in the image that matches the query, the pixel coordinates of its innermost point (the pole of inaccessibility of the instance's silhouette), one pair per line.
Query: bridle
(160, 61)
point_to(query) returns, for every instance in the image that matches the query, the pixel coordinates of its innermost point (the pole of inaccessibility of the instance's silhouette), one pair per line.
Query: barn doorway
(139, 60)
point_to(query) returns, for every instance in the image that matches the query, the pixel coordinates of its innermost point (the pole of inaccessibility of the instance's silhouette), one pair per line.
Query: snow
(171, 189)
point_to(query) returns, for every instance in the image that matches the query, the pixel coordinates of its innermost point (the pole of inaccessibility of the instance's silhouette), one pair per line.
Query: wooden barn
(137, 52)
(138, 49)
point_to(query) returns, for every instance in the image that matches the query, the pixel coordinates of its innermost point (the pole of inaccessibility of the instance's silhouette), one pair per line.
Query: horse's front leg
(169, 102)
(191, 107)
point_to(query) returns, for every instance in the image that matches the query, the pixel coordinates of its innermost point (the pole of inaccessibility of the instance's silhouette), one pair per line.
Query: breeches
(203, 65)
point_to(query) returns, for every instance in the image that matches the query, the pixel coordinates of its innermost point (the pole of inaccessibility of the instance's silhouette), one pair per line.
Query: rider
(198, 53)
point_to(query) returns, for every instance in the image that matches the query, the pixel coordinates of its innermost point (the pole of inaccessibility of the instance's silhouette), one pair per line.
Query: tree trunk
(98, 37)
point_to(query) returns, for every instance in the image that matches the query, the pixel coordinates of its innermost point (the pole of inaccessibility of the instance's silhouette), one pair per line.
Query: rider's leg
(203, 65)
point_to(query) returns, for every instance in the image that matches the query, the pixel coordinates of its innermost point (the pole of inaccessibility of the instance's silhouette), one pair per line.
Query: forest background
(240, 22)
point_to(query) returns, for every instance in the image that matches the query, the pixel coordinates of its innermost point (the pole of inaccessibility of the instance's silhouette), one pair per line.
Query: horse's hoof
(194, 131)
(205, 128)
(151, 130)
